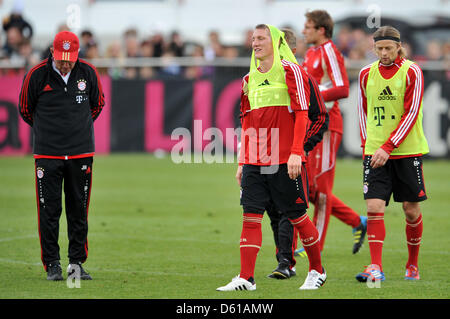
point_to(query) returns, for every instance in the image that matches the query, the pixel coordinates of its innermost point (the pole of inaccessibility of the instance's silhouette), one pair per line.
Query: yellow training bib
(385, 108)
(270, 89)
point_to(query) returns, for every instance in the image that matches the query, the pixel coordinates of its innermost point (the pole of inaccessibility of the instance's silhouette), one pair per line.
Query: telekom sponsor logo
(15, 134)
(206, 143)
(202, 101)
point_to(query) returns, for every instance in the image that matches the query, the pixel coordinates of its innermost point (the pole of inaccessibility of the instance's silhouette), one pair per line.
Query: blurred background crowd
(18, 48)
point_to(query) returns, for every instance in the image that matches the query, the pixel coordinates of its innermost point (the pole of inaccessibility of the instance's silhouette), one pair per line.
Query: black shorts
(401, 177)
(259, 189)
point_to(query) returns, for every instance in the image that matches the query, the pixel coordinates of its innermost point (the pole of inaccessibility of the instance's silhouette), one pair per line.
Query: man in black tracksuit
(60, 98)
(283, 231)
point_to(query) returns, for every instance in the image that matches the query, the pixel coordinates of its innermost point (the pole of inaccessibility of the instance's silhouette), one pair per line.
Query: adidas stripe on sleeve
(412, 101)
(298, 85)
(27, 98)
(362, 103)
(335, 69)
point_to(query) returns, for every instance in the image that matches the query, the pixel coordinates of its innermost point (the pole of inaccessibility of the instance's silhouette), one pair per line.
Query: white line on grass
(17, 237)
(11, 261)
(151, 273)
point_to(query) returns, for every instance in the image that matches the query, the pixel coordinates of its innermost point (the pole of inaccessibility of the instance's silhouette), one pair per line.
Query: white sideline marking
(17, 237)
(155, 273)
(150, 238)
(11, 261)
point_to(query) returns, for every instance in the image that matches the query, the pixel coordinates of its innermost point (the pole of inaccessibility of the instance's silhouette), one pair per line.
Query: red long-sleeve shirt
(271, 134)
(326, 65)
(412, 100)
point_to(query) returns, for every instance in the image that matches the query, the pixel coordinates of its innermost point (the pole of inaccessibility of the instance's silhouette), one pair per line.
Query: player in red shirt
(285, 235)
(325, 64)
(271, 161)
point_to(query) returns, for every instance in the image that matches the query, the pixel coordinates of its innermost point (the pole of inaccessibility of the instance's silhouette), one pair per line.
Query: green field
(161, 230)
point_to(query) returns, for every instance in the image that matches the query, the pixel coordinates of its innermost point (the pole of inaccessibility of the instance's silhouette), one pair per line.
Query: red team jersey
(326, 65)
(412, 99)
(291, 122)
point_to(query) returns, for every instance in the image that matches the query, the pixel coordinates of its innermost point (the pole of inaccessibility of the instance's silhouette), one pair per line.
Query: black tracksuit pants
(283, 234)
(75, 177)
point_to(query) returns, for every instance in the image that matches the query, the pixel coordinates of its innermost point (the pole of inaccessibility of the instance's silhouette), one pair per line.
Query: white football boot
(314, 280)
(238, 283)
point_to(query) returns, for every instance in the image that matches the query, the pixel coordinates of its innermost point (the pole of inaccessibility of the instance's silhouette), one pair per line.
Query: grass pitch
(171, 231)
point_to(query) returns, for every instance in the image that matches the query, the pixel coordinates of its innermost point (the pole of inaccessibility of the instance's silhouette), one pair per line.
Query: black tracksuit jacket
(61, 114)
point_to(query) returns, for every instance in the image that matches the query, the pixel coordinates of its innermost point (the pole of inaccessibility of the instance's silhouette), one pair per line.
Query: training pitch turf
(161, 230)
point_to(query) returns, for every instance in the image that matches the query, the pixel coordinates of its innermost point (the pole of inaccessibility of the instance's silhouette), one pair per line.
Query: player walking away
(390, 118)
(60, 98)
(325, 64)
(274, 126)
(285, 235)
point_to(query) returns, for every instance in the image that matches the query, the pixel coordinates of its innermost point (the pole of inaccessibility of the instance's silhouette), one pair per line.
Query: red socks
(413, 238)
(309, 237)
(376, 233)
(250, 243)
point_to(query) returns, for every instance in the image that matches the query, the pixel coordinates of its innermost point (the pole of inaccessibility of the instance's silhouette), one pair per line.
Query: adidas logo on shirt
(266, 82)
(386, 94)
